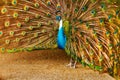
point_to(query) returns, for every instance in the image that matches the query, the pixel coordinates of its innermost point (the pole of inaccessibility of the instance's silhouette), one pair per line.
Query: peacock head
(58, 16)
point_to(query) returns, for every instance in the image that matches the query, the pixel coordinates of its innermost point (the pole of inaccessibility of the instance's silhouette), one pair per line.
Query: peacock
(88, 30)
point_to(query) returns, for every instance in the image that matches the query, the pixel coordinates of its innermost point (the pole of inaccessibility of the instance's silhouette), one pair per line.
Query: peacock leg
(72, 63)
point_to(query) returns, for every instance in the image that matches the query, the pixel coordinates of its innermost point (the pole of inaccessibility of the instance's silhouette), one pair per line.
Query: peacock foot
(72, 63)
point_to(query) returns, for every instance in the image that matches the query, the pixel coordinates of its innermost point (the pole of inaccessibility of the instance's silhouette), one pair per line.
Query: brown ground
(44, 65)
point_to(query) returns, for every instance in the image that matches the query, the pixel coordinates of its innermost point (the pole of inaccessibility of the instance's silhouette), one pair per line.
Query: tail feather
(27, 24)
(94, 33)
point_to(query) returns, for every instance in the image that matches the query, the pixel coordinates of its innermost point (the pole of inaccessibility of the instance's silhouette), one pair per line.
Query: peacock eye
(30, 27)
(3, 49)
(14, 2)
(11, 33)
(58, 5)
(36, 5)
(93, 11)
(19, 24)
(7, 24)
(48, 3)
(101, 20)
(23, 33)
(116, 31)
(110, 16)
(76, 9)
(3, 10)
(107, 32)
(80, 21)
(84, 8)
(15, 15)
(1, 32)
(27, 19)
(7, 41)
(117, 12)
(103, 6)
(48, 14)
(26, 8)
(110, 46)
(17, 39)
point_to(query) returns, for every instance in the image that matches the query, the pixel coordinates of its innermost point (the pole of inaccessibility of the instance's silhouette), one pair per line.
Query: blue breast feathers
(61, 39)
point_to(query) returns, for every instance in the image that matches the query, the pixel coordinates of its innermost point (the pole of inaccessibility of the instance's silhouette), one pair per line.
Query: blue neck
(61, 39)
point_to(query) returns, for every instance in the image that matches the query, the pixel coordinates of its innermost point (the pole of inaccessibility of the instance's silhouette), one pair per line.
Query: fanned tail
(94, 33)
(27, 24)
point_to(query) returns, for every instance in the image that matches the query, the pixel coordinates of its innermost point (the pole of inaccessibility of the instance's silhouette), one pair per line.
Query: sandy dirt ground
(44, 65)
